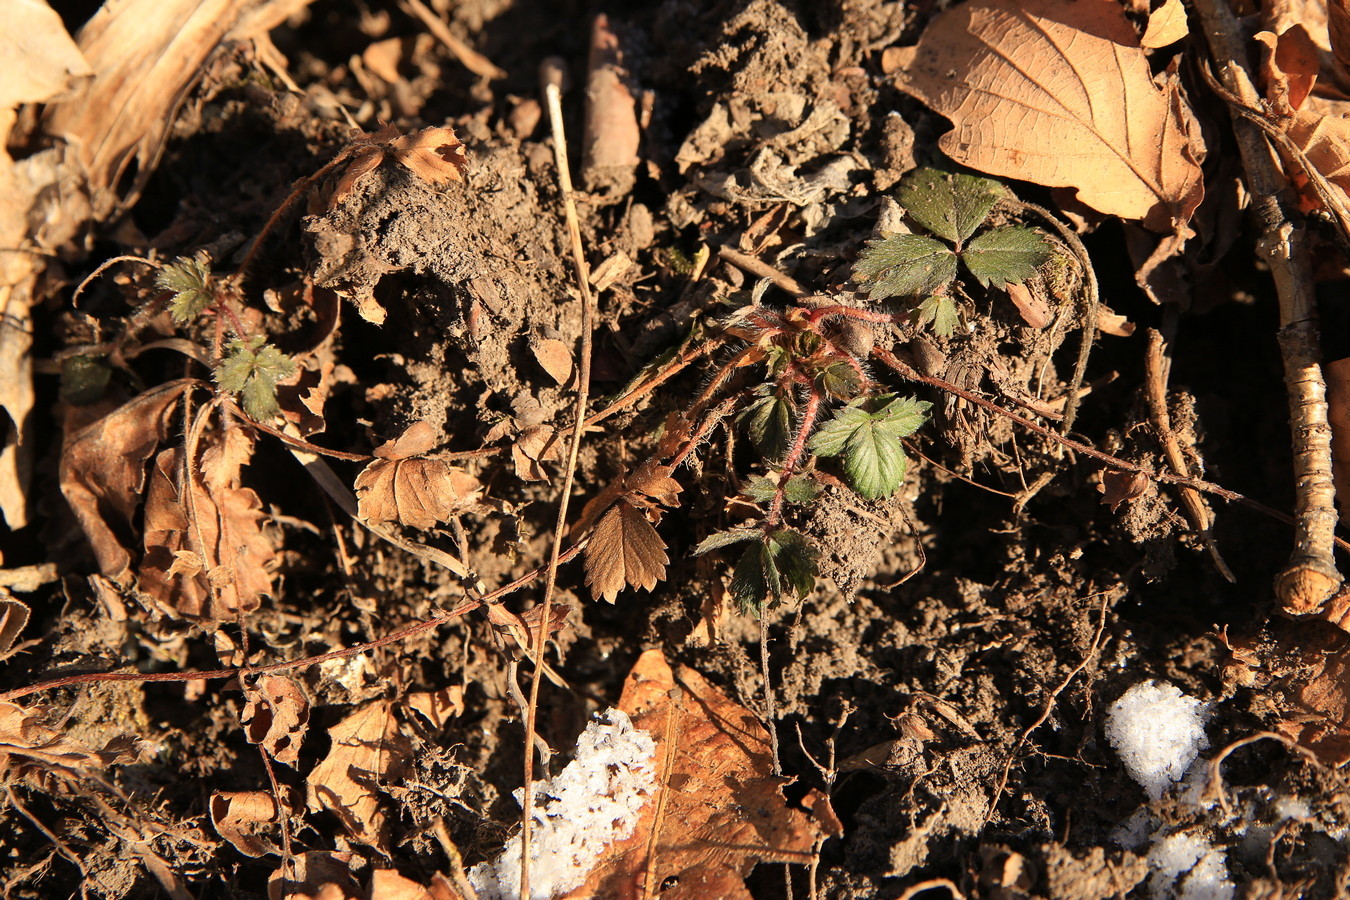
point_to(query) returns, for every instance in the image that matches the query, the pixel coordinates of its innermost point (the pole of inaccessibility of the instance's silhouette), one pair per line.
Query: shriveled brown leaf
(437, 707)
(1060, 94)
(103, 471)
(314, 875)
(367, 751)
(1166, 25)
(222, 460)
(225, 570)
(276, 717)
(721, 810)
(1325, 142)
(415, 492)
(383, 57)
(418, 438)
(624, 550)
(535, 445)
(555, 358)
(13, 617)
(31, 749)
(246, 819)
(1118, 487)
(652, 479)
(433, 154)
(1288, 68)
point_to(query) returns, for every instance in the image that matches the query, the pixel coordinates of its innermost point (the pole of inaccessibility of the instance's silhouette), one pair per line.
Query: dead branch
(609, 143)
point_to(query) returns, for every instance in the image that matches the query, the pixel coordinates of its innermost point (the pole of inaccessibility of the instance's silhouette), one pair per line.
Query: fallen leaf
(387, 884)
(229, 572)
(415, 492)
(555, 358)
(417, 439)
(1338, 27)
(367, 751)
(1118, 487)
(1060, 94)
(316, 874)
(276, 716)
(246, 819)
(31, 749)
(720, 811)
(13, 617)
(1166, 25)
(383, 57)
(1288, 68)
(437, 707)
(535, 445)
(433, 154)
(103, 471)
(624, 550)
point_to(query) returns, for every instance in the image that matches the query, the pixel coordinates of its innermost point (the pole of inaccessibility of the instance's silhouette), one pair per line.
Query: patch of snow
(593, 802)
(1158, 732)
(1186, 866)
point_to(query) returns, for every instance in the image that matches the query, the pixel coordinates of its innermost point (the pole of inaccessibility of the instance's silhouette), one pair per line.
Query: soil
(967, 635)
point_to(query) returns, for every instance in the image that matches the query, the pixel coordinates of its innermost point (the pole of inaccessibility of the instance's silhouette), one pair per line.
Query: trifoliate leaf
(799, 489)
(779, 564)
(950, 205)
(189, 280)
(940, 309)
(900, 265)
(769, 421)
(1003, 255)
(252, 368)
(726, 539)
(867, 434)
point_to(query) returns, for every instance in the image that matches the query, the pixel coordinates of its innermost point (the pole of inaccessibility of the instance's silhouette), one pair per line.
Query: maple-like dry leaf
(624, 550)
(433, 154)
(276, 717)
(1060, 94)
(367, 751)
(720, 809)
(415, 492)
(228, 572)
(103, 471)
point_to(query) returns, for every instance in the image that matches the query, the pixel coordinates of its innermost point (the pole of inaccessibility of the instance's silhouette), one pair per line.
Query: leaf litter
(181, 487)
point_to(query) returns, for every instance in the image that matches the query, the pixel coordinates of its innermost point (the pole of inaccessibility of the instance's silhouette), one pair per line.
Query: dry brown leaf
(1288, 68)
(225, 570)
(387, 884)
(437, 707)
(535, 445)
(414, 492)
(1325, 142)
(1060, 94)
(383, 57)
(103, 471)
(555, 358)
(13, 617)
(720, 810)
(1118, 487)
(624, 550)
(246, 819)
(367, 751)
(1166, 25)
(276, 717)
(433, 154)
(31, 749)
(314, 875)
(417, 439)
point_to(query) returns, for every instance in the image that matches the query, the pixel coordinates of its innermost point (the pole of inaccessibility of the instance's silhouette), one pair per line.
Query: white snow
(594, 801)
(1188, 867)
(1158, 732)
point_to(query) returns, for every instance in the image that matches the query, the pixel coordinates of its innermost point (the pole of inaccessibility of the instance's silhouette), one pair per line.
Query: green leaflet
(251, 369)
(867, 434)
(1006, 254)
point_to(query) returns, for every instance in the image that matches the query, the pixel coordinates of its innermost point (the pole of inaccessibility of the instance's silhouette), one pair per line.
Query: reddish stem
(794, 455)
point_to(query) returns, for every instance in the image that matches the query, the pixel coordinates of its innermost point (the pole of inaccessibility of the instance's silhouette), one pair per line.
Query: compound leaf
(189, 281)
(951, 205)
(252, 368)
(1007, 254)
(779, 564)
(867, 434)
(901, 265)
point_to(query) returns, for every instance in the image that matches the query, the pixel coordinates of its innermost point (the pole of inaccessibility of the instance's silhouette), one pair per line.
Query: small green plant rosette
(188, 279)
(251, 369)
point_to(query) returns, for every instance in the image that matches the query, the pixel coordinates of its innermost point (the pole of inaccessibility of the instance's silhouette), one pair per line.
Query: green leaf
(251, 369)
(867, 434)
(901, 265)
(769, 421)
(779, 564)
(950, 205)
(940, 309)
(189, 280)
(840, 380)
(726, 539)
(1007, 254)
(799, 489)
(84, 379)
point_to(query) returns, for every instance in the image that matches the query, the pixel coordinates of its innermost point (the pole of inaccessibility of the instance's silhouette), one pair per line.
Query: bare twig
(758, 267)
(474, 61)
(551, 73)
(1155, 391)
(1311, 577)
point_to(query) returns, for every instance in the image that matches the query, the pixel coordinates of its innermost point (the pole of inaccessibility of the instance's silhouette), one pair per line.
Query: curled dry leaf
(317, 874)
(276, 716)
(103, 471)
(720, 809)
(246, 819)
(367, 751)
(555, 358)
(400, 486)
(31, 749)
(1060, 94)
(13, 617)
(207, 554)
(624, 550)
(1118, 487)
(535, 445)
(434, 155)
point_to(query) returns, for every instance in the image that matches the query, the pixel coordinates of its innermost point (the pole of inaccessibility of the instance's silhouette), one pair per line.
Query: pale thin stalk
(551, 73)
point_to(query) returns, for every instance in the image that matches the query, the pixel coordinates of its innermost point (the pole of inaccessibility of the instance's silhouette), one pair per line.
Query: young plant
(951, 206)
